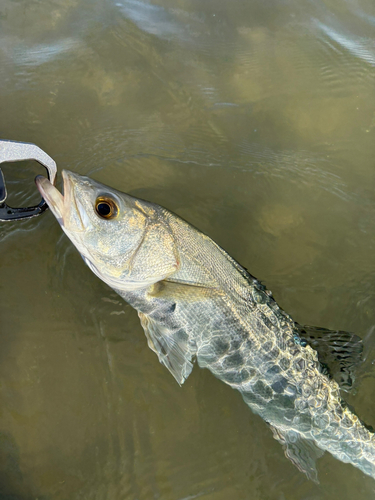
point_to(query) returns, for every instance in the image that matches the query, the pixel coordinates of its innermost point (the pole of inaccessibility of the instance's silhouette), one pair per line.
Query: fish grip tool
(13, 151)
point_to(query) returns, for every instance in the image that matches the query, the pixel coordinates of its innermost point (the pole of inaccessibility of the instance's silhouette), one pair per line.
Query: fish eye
(105, 207)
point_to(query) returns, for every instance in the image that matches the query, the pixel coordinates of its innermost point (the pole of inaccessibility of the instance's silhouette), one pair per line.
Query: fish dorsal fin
(339, 351)
(303, 453)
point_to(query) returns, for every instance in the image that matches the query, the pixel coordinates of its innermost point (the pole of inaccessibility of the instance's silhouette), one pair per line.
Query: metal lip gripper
(12, 151)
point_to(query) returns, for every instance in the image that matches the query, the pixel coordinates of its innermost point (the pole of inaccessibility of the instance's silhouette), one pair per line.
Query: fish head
(125, 241)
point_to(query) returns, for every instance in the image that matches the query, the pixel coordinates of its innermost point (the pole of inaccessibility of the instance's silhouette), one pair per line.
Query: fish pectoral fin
(172, 347)
(339, 351)
(303, 453)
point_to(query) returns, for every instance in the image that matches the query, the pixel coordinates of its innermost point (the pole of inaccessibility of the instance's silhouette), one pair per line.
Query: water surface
(253, 120)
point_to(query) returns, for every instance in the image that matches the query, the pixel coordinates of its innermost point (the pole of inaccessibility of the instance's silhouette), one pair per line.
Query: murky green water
(255, 121)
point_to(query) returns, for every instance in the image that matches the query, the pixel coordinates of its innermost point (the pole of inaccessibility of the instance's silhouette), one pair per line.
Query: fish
(198, 304)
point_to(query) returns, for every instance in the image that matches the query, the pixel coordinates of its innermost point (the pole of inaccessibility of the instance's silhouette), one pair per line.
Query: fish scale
(197, 303)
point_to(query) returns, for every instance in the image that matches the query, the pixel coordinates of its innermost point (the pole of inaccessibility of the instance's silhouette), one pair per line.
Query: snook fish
(197, 303)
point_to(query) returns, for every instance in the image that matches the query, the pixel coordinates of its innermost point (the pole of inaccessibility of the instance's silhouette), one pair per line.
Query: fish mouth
(58, 203)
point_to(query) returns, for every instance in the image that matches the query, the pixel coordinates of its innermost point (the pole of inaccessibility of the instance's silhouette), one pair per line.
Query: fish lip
(72, 201)
(52, 196)
(61, 204)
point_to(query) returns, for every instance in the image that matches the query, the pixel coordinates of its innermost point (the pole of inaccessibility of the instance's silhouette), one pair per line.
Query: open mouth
(67, 208)
(55, 200)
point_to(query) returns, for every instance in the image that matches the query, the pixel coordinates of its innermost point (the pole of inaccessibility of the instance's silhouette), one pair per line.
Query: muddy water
(253, 120)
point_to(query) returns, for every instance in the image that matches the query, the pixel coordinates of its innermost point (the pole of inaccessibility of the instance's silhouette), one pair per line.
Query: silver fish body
(197, 303)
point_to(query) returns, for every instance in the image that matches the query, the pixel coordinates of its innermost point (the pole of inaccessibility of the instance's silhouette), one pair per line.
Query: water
(255, 121)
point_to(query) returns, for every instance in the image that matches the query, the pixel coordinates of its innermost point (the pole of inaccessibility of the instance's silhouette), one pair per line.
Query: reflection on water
(255, 121)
